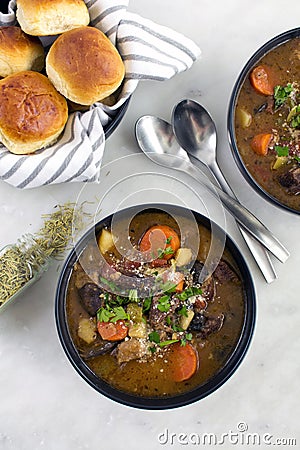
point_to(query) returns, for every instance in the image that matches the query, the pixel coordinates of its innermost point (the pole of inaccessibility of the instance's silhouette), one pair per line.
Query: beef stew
(266, 121)
(165, 343)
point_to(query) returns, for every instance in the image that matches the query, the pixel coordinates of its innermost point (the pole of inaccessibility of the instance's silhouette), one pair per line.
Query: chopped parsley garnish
(183, 311)
(147, 304)
(189, 292)
(108, 283)
(187, 337)
(104, 315)
(168, 342)
(167, 251)
(281, 94)
(168, 240)
(297, 158)
(177, 328)
(281, 150)
(120, 314)
(294, 117)
(164, 303)
(117, 301)
(112, 315)
(154, 337)
(295, 122)
(133, 297)
(168, 287)
(168, 320)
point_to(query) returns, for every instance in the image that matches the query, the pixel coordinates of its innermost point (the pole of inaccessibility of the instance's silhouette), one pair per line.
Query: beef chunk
(197, 272)
(81, 277)
(197, 322)
(200, 303)
(291, 180)
(205, 325)
(208, 286)
(209, 289)
(89, 296)
(224, 272)
(157, 318)
(132, 349)
(155, 315)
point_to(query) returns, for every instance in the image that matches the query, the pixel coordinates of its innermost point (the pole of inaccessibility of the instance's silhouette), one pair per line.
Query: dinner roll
(50, 17)
(32, 112)
(19, 52)
(84, 65)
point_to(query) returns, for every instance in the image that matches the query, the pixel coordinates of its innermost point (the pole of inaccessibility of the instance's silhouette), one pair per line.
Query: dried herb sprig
(59, 227)
(20, 262)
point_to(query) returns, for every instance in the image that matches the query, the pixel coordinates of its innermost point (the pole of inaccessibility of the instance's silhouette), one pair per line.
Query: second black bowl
(255, 59)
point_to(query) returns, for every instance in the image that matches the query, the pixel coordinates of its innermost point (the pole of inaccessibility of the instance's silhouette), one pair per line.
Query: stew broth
(152, 375)
(259, 114)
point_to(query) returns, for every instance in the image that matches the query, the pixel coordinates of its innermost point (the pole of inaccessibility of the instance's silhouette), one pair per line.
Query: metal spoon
(196, 132)
(157, 140)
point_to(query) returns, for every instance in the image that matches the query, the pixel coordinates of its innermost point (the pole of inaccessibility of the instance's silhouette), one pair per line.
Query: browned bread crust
(32, 113)
(84, 65)
(50, 17)
(19, 51)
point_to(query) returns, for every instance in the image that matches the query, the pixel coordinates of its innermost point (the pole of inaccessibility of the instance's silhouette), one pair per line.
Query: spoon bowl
(157, 140)
(195, 130)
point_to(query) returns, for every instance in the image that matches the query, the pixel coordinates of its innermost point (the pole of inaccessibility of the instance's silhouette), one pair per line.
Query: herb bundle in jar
(26, 260)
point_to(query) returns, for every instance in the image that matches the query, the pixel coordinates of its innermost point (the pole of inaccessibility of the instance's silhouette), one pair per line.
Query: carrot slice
(261, 80)
(161, 240)
(179, 287)
(175, 278)
(112, 331)
(260, 143)
(183, 361)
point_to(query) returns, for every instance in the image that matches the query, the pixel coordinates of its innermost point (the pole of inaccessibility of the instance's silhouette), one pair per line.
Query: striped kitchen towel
(149, 51)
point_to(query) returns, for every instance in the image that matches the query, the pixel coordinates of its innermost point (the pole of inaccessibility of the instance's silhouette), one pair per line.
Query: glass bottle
(30, 262)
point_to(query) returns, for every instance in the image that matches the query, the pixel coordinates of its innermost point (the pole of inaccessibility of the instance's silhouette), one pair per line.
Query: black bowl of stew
(264, 121)
(184, 337)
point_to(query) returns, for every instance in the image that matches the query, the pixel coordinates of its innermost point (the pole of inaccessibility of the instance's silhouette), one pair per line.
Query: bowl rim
(114, 123)
(155, 403)
(265, 48)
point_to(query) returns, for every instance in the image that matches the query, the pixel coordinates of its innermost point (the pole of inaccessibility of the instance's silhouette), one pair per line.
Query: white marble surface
(43, 402)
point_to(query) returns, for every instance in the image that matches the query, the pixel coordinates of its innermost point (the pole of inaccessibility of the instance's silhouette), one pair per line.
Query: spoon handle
(256, 228)
(259, 252)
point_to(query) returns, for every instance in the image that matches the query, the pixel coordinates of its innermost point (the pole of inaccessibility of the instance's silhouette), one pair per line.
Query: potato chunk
(183, 256)
(105, 241)
(138, 330)
(279, 162)
(186, 320)
(244, 117)
(87, 330)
